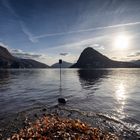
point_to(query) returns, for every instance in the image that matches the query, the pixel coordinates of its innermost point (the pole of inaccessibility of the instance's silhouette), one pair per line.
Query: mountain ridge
(90, 58)
(7, 60)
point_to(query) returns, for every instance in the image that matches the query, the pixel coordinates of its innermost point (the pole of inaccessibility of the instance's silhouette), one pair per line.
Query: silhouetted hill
(63, 65)
(137, 62)
(9, 61)
(91, 58)
(5, 54)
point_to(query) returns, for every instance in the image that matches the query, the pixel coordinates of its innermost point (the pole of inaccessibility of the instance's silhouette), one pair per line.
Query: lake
(113, 93)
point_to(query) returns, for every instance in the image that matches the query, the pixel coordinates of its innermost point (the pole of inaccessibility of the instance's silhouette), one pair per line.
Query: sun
(121, 41)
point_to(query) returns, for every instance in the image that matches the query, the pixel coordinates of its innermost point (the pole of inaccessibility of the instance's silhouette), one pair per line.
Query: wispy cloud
(72, 50)
(136, 54)
(63, 54)
(87, 30)
(97, 46)
(24, 29)
(9, 7)
(4, 45)
(22, 54)
(77, 47)
(27, 33)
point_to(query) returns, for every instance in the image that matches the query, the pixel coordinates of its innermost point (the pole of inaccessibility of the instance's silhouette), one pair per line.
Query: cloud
(71, 52)
(136, 54)
(28, 55)
(96, 46)
(86, 30)
(77, 47)
(3, 45)
(24, 29)
(63, 54)
(9, 7)
(27, 33)
(114, 58)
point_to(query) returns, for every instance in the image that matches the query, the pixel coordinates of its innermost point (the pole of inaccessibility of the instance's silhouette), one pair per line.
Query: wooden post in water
(60, 62)
(61, 100)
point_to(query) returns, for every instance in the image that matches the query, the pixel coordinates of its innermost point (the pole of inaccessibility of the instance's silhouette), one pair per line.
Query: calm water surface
(114, 92)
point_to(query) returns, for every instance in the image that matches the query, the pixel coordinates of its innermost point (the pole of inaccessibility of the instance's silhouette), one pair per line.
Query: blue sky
(42, 29)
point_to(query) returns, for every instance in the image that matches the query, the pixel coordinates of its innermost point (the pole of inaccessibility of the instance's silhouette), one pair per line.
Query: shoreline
(52, 127)
(26, 118)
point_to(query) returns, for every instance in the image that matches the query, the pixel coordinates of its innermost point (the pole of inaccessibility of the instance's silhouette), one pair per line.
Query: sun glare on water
(121, 41)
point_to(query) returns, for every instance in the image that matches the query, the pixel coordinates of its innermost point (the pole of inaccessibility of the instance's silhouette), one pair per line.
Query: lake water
(111, 92)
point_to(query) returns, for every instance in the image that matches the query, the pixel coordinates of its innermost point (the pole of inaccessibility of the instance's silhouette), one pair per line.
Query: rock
(62, 100)
(36, 115)
(44, 109)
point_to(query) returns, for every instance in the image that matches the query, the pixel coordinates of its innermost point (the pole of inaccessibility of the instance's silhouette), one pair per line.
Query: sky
(47, 30)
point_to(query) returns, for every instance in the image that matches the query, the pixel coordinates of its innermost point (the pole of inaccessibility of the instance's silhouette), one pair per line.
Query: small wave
(101, 120)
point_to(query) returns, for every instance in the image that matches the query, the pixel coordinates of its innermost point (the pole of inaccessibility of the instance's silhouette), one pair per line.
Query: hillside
(9, 61)
(91, 58)
(63, 65)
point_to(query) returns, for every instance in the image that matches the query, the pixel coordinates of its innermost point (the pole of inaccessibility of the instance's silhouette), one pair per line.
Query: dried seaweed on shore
(56, 128)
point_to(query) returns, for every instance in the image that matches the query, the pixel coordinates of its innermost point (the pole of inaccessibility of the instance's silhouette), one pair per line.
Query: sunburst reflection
(121, 97)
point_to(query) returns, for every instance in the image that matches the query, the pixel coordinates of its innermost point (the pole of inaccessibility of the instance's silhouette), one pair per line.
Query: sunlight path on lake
(121, 97)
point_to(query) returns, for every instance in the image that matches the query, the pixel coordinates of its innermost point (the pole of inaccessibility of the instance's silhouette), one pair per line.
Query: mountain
(63, 65)
(9, 61)
(91, 58)
(5, 54)
(137, 62)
